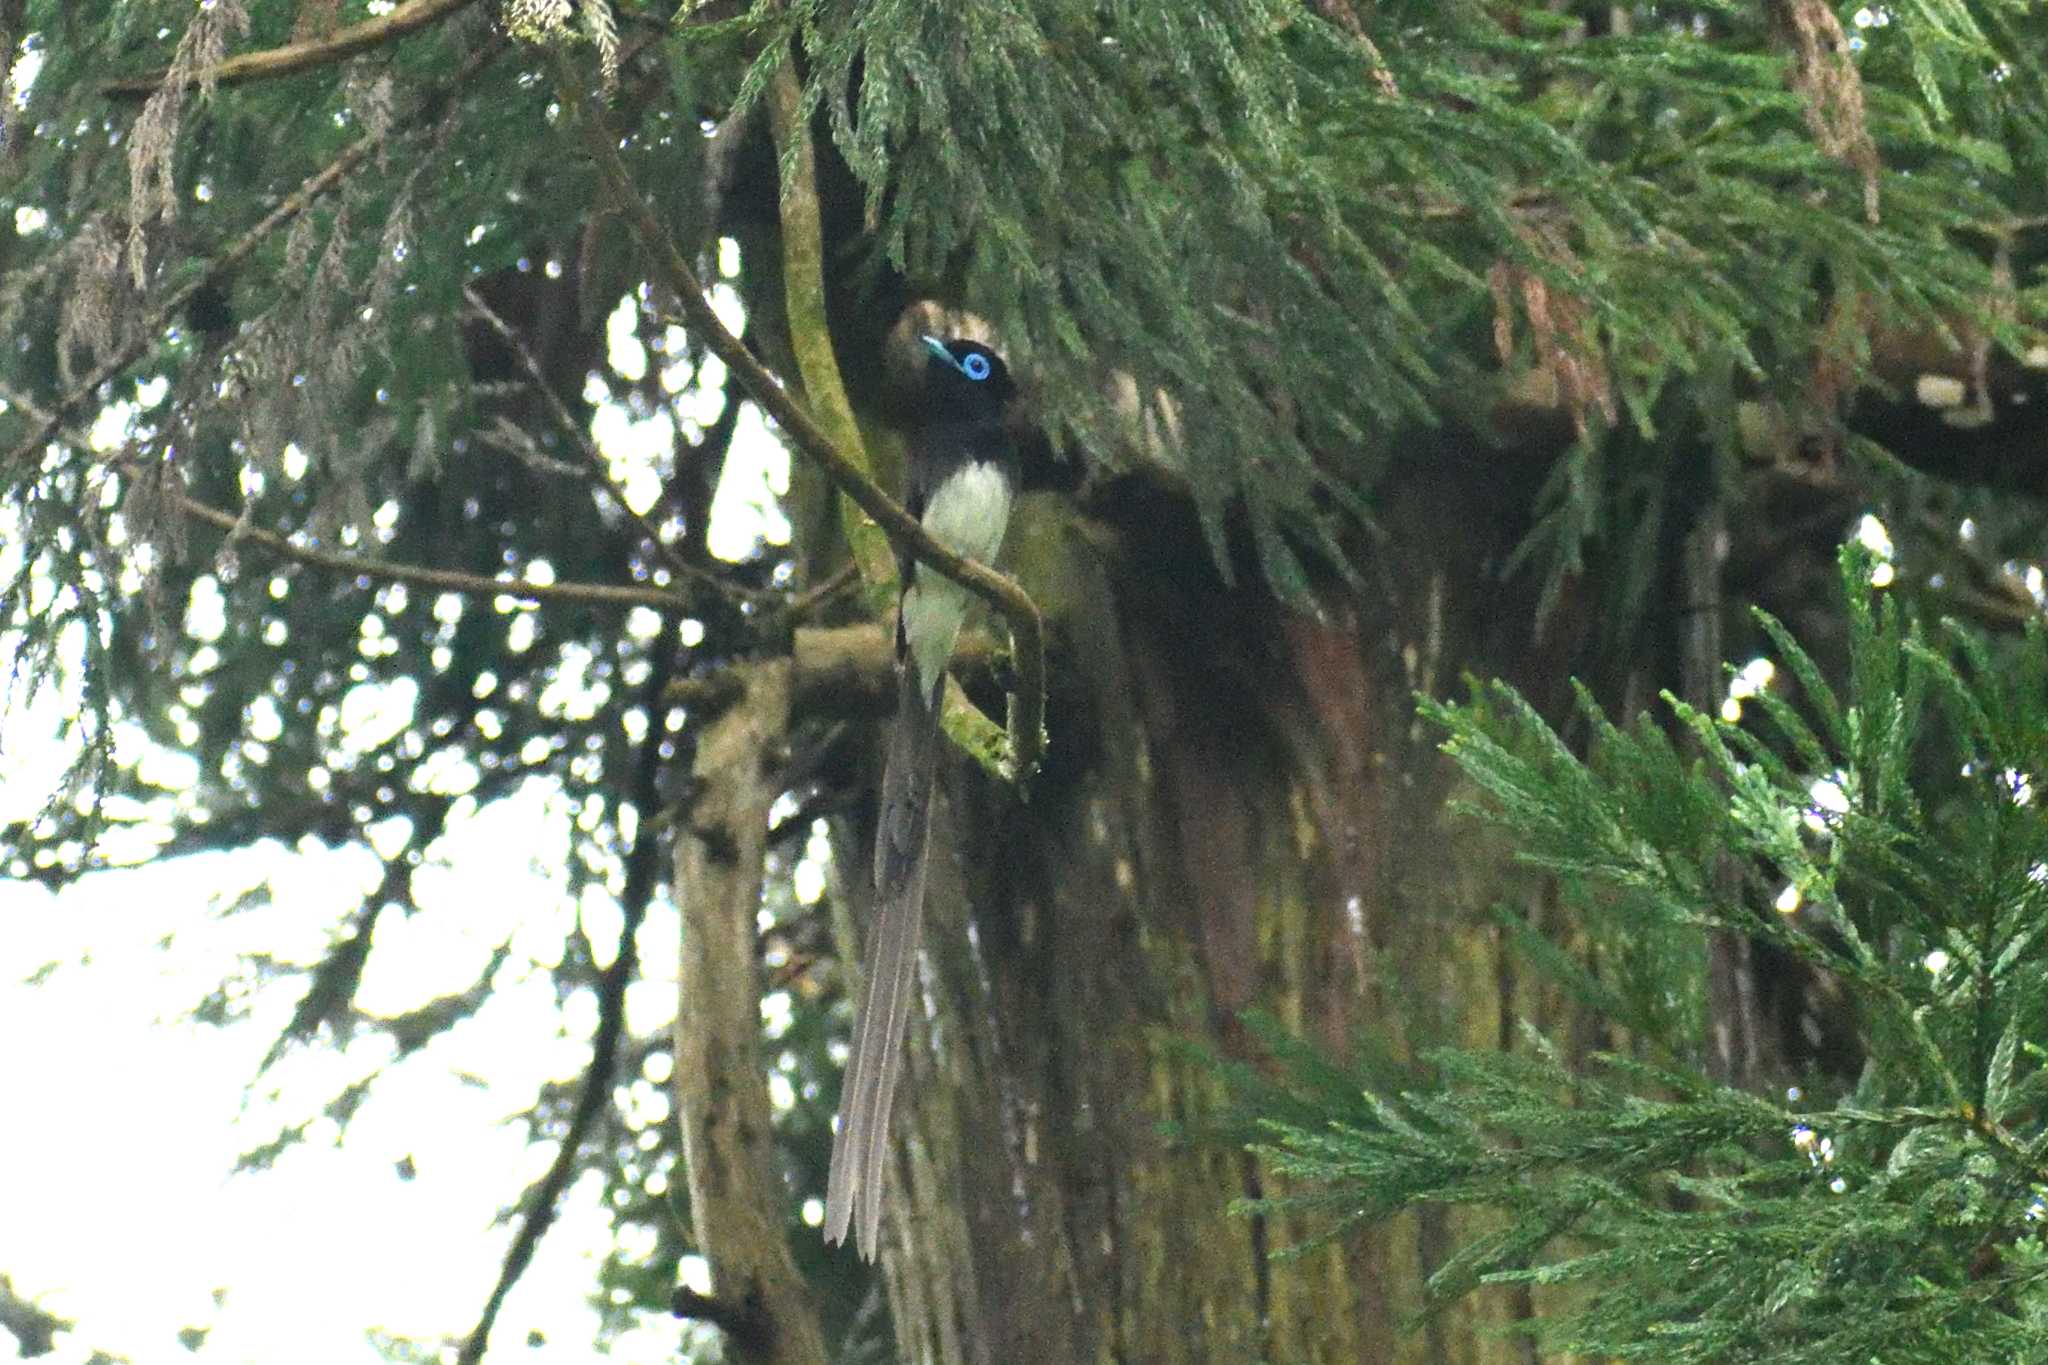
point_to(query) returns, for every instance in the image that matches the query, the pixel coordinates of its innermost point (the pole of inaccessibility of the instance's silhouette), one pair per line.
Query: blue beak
(938, 348)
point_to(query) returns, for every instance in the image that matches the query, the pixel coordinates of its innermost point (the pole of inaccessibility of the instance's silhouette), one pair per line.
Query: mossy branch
(810, 332)
(1027, 626)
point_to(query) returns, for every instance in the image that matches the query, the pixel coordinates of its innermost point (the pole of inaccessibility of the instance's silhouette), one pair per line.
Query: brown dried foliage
(317, 19)
(96, 311)
(1563, 338)
(1824, 74)
(153, 141)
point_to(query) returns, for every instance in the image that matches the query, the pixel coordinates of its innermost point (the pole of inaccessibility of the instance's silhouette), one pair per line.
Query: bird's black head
(965, 380)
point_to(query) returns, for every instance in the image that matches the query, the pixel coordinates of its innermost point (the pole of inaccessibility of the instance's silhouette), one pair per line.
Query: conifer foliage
(358, 456)
(1890, 835)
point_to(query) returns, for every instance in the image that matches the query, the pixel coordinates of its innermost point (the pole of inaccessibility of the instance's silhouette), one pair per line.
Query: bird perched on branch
(963, 470)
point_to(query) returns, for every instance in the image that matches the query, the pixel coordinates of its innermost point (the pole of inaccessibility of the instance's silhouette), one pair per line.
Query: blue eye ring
(975, 367)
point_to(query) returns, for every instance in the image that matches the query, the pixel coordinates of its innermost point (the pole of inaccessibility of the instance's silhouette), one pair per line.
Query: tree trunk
(1239, 812)
(727, 1126)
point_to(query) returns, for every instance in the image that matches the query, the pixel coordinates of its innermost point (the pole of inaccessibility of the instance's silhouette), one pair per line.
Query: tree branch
(812, 598)
(294, 57)
(359, 566)
(836, 671)
(237, 251)
(598, 468)
(1027, 626)
(447, 580)
(803, 303)
(737, 1191)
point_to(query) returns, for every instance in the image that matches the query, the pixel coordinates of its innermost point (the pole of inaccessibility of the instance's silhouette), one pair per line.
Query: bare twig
(557, 409)
(1027, 627)
(447, 580)
(598, 468)
(358, 566)
(1996, 598)
(294, 57)
(810, 599)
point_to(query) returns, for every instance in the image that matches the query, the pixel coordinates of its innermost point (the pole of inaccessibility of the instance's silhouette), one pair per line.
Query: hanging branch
(1027, 626)
(293, 57)
(231, 257)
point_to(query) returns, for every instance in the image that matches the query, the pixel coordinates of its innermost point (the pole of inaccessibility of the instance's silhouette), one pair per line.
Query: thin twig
(1027, 626)
(358, 566)
(448, 580)
(599, 468)
(1998, 598)
(224, 264)
(810, 599)
(294, 57)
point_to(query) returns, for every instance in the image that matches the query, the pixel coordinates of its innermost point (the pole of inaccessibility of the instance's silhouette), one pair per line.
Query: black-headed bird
(963, 470)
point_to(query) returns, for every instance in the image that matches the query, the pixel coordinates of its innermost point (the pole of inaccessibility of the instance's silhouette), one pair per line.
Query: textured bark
(736, 1189)
(1238, 812)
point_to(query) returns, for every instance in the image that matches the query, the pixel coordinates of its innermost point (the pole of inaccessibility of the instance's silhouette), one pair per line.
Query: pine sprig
(1689, 1220)
(1245, 208)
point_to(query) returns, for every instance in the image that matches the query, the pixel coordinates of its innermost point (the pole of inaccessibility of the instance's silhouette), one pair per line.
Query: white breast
(969, 511)
(967, 514)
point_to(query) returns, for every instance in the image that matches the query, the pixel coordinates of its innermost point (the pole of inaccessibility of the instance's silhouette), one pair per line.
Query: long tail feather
(861, 1149)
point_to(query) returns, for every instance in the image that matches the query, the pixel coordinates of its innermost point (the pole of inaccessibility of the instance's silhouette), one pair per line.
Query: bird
(963, 471)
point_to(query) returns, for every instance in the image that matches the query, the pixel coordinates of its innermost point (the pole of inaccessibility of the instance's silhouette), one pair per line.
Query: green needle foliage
(1304, 231)
(1251, 208)
(1659, 1213)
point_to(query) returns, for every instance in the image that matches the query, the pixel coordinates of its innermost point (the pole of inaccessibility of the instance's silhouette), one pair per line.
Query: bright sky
(125, 1119)
(122, 1214)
